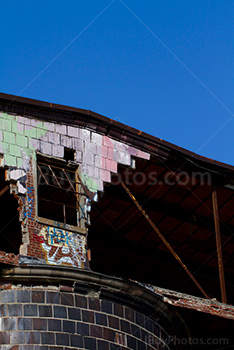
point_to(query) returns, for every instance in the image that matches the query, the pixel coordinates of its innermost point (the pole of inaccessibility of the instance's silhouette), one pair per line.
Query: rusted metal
(77, 190)
(57, 178)
(53, 202)
(54, 176)
(4, 190)
(88, 194)
(64, 214)
(89, 254)
(42, 174)
(176, 256)
(62, 181)
(68, 180)
(219, 246)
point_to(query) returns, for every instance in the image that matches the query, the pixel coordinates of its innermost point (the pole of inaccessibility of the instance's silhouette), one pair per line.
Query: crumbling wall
(97, 156)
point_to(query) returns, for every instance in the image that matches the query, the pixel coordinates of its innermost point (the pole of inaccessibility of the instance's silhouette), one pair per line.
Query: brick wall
(96, 155)
(49, 318)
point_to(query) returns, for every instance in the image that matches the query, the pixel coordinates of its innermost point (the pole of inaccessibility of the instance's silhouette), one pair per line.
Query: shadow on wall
(10, 227)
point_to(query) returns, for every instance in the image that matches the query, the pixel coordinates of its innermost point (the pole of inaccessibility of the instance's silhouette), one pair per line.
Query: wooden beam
(219, 246)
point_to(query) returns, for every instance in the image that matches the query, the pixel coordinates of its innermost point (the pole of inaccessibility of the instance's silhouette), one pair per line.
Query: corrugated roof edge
(76, 116)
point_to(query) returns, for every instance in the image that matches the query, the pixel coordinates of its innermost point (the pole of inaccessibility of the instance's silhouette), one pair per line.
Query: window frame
(61, 164)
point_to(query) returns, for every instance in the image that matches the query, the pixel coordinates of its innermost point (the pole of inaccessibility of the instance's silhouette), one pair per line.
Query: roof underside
(124, 244)
(181, 207)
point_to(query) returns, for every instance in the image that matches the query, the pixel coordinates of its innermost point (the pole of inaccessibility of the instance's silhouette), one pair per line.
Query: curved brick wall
(70, 320)
(97, 312)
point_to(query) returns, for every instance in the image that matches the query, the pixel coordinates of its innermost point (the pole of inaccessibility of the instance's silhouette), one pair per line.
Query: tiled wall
(53, 319)
(97, 156)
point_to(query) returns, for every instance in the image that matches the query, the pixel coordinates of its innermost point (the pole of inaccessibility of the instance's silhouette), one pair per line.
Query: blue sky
(164, 67)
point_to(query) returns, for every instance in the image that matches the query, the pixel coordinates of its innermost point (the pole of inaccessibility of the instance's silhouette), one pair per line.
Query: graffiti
(30, 208)
(62, 247)
(82, 212)
(58, 237)
(37, 237)
(83, 218)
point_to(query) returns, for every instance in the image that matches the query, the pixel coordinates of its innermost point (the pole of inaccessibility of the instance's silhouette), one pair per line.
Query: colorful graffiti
(62, 247)
(30, 208)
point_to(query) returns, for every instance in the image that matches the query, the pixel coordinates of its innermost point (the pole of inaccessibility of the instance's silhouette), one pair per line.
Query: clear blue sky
(164, 67)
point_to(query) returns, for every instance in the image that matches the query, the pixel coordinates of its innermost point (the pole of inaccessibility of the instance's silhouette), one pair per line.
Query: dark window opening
(10, 229)
(69, 154)
(59, 191)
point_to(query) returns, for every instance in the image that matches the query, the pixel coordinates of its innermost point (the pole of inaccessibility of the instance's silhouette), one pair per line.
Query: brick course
(50, 320)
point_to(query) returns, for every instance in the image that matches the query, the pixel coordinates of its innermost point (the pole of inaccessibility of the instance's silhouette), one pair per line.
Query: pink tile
(111, 165)
(108, 142)
(105, 175)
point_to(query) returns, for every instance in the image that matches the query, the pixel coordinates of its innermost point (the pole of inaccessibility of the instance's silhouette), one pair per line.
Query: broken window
(60, 191)
(10, 227)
